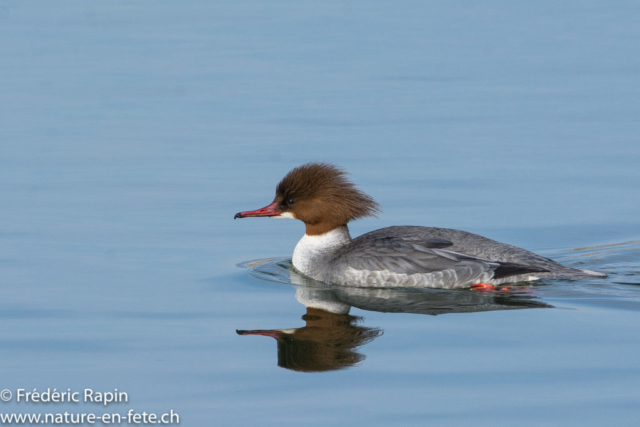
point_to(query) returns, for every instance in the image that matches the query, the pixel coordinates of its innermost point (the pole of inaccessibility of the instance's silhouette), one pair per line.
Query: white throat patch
(284, 215)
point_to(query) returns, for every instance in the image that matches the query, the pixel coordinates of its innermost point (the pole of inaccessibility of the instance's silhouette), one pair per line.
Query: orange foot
(483, 287)
(492, 288)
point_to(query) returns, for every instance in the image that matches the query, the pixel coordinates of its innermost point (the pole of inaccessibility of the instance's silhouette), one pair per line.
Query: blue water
(132, 132)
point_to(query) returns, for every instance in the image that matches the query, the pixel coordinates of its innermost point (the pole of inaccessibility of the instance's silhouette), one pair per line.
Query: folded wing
(413, 255)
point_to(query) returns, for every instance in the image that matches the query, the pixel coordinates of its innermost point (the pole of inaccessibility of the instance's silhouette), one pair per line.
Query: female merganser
(319, 195)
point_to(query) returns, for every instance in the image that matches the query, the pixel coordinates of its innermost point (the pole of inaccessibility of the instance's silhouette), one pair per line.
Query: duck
(325, 200)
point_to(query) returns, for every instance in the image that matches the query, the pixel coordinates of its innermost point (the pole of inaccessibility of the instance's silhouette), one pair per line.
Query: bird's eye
(291, 201)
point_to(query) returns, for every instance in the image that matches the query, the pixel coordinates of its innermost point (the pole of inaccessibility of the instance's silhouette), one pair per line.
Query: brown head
(320, 195)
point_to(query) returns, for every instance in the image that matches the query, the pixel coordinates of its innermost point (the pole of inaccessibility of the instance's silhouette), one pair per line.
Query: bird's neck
(313, 251)
(321, 228)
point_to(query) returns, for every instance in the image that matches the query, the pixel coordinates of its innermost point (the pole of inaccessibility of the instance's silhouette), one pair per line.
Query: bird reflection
(326, 343)
(331, 336)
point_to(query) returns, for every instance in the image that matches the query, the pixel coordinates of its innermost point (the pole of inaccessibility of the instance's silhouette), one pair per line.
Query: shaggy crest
(327, 187)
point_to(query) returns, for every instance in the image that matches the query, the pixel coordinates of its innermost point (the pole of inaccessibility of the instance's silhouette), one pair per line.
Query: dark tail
(508, 269)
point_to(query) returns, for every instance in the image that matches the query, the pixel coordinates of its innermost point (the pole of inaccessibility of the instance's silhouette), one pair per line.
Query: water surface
(131, 133)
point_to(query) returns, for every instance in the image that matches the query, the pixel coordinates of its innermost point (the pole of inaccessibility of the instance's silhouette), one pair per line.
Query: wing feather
(409, 256)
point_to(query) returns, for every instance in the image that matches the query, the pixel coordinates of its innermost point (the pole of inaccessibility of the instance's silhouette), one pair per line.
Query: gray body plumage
(428, 257)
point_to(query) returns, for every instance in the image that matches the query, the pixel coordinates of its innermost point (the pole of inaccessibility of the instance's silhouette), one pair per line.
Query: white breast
(311, 251)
